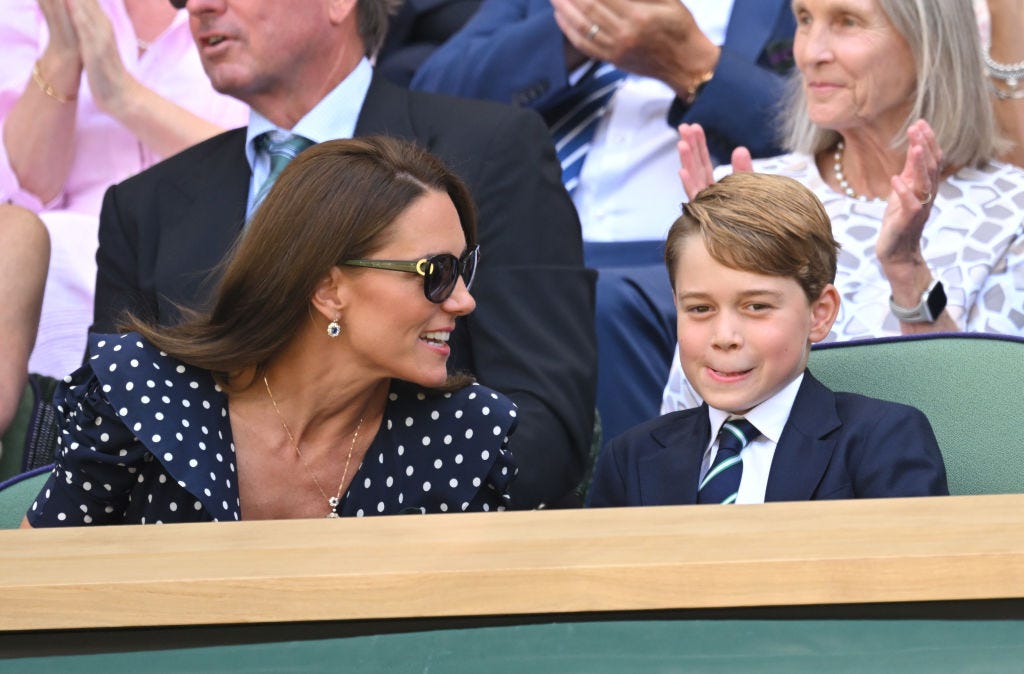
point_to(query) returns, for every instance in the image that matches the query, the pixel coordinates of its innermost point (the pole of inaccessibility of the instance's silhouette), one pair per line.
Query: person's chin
(431, 378)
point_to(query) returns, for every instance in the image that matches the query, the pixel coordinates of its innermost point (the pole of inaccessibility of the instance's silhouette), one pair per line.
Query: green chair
(969, 385)
(17, 493)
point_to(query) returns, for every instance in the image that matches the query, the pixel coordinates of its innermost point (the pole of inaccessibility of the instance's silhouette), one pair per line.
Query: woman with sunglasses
(316, 385)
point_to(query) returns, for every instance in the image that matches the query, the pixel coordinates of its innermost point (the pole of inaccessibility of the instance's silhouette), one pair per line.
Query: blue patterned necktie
(574, 122)
(722, 482)
(280, 152)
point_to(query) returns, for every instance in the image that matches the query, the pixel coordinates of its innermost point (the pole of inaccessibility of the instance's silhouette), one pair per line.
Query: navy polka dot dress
(145, 439)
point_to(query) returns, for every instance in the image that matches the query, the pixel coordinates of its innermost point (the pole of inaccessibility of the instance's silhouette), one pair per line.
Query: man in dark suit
(302, 67)
(722, 65)
(751, 261)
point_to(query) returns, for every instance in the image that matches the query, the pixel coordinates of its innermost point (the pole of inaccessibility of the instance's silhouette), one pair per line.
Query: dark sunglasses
(178, 4)
(440, 273)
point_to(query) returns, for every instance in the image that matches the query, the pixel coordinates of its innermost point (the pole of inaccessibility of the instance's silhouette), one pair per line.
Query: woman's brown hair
(334, 202)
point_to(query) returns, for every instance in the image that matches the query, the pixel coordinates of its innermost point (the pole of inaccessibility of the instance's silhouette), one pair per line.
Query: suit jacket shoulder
(834, 445)
(655, 463)
(845, 445)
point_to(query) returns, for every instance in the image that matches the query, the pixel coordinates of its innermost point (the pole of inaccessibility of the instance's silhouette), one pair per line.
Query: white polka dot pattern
(162, 448)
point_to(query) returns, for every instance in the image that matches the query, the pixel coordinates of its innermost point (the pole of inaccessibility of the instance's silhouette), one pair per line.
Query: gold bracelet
(694, 89)
(46, 88)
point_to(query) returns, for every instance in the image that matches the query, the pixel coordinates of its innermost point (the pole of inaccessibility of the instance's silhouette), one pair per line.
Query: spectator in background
(1002, 22)
(303, 68)
(891, 126)
(718, 63)
(415, 31)
(24, 255)
(91, 92)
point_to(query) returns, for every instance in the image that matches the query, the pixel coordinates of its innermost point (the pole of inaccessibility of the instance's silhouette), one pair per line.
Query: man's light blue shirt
(333, 117)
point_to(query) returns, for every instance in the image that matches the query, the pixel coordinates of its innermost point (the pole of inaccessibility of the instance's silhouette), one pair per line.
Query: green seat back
(970, 386)
(16, 498)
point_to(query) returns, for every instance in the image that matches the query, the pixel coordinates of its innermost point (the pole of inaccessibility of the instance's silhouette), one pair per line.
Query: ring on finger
(927, 199)
(594, 30)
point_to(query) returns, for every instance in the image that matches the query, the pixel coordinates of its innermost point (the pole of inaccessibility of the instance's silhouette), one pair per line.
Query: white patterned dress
(973, 243)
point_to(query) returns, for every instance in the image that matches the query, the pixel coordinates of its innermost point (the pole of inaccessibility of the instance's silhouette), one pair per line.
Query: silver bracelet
(1012, 94)
(1011, 73)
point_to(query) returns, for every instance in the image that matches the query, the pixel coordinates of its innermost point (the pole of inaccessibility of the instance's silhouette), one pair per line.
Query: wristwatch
(933, 301)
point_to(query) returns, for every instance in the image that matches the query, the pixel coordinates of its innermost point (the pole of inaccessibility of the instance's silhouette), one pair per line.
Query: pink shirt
(105, 153)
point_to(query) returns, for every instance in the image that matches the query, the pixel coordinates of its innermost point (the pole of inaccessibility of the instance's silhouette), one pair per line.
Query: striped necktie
(280, 152)
(574, 122)
(722, 482)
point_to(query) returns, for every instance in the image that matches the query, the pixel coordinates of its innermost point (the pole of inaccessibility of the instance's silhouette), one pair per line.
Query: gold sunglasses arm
(413, 267)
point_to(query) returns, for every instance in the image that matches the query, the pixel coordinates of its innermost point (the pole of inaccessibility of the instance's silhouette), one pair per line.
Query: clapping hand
(910, 202)
(63, 39)
(108, 78)
(696, 171)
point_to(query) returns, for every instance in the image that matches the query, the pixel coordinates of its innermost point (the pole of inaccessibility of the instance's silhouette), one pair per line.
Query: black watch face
(936, 301)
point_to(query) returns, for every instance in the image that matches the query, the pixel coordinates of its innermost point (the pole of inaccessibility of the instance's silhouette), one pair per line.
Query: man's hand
(652, 38)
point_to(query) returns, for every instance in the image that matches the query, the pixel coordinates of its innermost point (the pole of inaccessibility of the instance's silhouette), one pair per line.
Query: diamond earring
(333, 329)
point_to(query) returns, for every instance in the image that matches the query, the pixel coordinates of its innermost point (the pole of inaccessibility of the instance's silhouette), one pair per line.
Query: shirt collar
(769, 417)
(335, 116)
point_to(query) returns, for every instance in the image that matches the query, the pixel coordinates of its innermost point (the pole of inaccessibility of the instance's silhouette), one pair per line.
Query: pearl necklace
(837, 170)
(332, 501)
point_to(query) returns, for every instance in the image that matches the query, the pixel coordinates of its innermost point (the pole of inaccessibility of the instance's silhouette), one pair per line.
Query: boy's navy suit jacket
(834, 446)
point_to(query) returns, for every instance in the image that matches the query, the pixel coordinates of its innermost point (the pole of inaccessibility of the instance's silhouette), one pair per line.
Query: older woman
(317, 384)
(932, 239)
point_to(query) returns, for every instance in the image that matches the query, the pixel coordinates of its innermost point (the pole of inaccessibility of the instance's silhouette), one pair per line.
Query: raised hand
(696, 171)
(109, 80)
(910, 202)
(63, 42)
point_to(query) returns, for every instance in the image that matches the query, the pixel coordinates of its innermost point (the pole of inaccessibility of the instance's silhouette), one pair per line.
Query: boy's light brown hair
(760, 223)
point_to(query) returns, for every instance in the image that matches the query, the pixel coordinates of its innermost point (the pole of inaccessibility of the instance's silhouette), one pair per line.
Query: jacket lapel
(806, 446)
(669, 476)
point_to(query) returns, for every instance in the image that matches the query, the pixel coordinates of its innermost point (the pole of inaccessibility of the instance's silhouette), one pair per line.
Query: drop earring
(333, 329)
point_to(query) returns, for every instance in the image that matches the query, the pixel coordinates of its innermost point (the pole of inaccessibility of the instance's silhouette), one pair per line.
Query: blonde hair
(766, 224)
(951, 94)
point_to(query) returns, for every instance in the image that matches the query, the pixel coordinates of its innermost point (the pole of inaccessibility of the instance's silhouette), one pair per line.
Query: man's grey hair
(372, 21)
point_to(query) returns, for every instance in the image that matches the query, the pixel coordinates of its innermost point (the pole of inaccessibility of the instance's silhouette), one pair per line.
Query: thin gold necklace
(332, 501)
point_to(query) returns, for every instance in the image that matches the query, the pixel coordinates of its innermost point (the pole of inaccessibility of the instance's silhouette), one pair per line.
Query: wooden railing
(839, 552)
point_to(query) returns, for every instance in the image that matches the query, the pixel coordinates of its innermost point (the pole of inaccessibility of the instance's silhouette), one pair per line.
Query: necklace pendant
(332, 515)
(333, 501)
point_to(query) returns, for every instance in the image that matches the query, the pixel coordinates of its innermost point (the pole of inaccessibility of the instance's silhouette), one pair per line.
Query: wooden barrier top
(623, 559)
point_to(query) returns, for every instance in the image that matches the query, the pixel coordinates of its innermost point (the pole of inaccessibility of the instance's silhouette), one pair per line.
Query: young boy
(751, 261)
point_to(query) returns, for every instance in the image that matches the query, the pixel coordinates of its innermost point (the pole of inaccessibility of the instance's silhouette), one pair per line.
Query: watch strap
(933, 301)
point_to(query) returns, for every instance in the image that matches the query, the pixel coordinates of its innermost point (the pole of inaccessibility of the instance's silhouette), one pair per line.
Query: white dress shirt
(770, 418)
